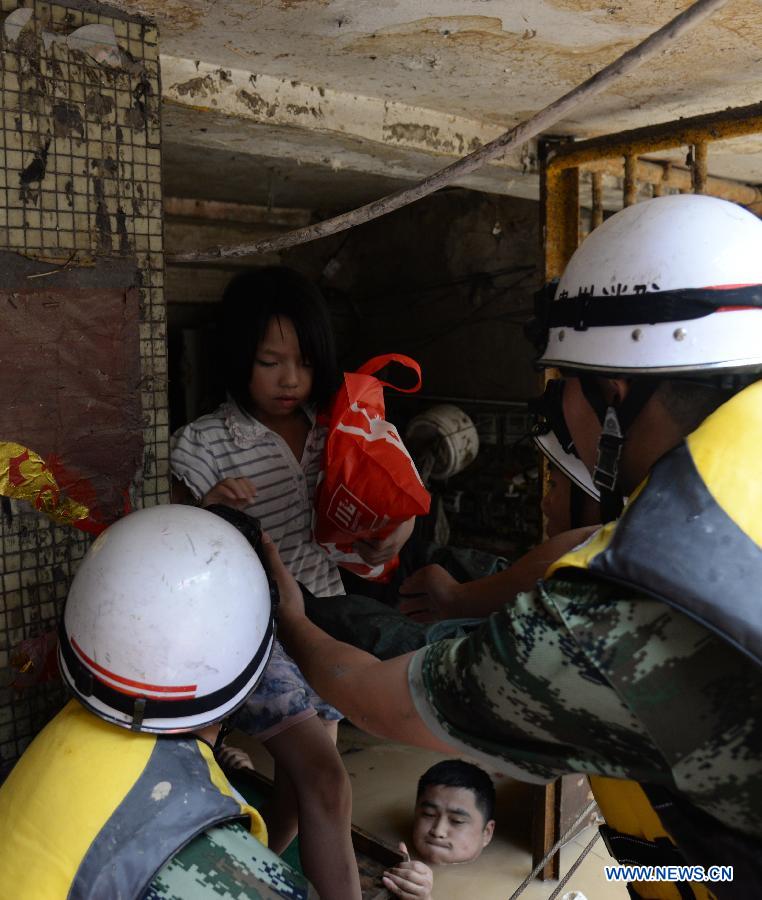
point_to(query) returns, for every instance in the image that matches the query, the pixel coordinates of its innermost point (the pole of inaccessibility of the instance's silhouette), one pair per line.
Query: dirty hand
(375, 553)
(291, 600)
(236, 492)
(430, 594)
(411, 879)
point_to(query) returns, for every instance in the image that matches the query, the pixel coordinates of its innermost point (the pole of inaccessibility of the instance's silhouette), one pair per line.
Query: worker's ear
(489, 830)
(616, 390)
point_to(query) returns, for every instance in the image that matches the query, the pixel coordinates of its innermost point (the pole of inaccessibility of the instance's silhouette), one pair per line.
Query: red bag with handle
(369, 484)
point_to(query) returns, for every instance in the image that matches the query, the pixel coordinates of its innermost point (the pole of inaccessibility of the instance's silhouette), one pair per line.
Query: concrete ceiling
(329, 103)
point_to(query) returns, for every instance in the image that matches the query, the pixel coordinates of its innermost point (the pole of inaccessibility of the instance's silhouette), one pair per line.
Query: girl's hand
(291, 599)
(375, 553)
(409, 879)
(236, 492)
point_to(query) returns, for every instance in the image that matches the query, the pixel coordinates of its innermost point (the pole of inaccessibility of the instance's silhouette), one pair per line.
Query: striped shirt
(230, 443)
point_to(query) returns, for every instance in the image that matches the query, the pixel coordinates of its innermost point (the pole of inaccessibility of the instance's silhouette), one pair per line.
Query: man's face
(448, 826)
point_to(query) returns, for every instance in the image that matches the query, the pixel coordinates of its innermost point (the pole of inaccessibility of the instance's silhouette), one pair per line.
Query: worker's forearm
(334, 669)
(487, 595)
(372, 693)
(323, 660)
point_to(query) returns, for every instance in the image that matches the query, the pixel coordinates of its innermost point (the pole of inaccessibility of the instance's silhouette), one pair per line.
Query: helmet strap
(138, 713)
(606, 472)
(609, 451)
(616, 420)
(225, 729)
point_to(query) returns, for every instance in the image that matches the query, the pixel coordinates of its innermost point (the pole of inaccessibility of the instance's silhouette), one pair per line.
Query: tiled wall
(80, 181)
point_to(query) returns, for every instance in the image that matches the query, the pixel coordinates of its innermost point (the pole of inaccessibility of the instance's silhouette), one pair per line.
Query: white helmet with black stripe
(552, 437)
(667, 288)
(168, 624)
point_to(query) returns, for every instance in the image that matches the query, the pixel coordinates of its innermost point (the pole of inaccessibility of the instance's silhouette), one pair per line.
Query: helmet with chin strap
(168, 624)
(667, 288)
(552, 437)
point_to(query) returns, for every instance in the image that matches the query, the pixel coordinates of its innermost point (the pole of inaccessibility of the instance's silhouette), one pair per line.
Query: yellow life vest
(93, 810)
(691, 536)
(628, 811)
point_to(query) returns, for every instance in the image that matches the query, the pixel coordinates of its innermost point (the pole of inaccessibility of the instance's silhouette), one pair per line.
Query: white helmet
(551, 435)
(666, 286)
(168, 625)
(572, 466)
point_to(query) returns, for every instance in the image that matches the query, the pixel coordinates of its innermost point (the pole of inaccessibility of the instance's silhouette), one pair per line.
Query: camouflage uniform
(585, 676)
(226, 863)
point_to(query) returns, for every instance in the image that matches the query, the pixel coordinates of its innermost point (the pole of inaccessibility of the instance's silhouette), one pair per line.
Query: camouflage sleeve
(522, 694)
(227, 863)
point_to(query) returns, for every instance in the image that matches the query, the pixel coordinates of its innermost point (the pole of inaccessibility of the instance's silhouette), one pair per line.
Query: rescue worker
(167, 628)
(637, 657)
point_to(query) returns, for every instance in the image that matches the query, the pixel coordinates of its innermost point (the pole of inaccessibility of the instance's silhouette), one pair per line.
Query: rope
(515, 137)
(575, 865)
(553, 850)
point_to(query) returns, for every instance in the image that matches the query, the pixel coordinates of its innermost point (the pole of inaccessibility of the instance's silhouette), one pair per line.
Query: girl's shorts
(282, 699)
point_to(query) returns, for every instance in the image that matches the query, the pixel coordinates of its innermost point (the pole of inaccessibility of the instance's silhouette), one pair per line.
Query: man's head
(454, 813)
(657, 318)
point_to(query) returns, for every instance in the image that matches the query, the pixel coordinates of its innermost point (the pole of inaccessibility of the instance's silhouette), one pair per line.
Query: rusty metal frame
(621, 154)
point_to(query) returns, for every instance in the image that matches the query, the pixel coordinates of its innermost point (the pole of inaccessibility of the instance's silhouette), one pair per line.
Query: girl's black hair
(254, 297)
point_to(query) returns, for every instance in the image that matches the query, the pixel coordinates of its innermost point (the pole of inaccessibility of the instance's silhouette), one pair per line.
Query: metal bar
(662, 173)
(630, 189)
(729, 123)
(698, 170)
(666, 174)
(561, 219)
(597, 200)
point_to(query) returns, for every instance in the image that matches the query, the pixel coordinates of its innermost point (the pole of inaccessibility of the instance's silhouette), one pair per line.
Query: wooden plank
(248, 213)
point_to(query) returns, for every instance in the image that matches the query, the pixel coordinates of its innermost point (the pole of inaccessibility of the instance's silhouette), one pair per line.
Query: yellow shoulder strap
(256, 823)
(579, 557)
(723, 464)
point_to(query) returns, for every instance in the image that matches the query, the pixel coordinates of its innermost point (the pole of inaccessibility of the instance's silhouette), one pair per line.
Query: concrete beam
(279, 102)
(314, 157)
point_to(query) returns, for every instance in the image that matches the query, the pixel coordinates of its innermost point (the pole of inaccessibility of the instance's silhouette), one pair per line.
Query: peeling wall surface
(448, 73)
(497, 57)
(83, 345)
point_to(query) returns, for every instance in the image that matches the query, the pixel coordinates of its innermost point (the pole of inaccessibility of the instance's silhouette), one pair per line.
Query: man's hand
(375, 553)
(410, 879)
(236, 492)
(291, 599)
(433, 595)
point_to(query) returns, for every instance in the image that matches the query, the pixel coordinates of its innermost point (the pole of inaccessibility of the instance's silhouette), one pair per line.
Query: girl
(261, 452)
